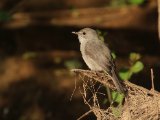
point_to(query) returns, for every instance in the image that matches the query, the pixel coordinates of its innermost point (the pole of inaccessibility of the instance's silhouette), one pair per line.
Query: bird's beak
(75, 33)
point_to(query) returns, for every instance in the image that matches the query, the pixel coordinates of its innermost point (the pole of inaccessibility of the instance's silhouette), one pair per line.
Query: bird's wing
(100, 54)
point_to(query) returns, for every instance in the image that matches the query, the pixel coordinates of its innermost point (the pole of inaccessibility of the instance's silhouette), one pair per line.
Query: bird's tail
(117, 83)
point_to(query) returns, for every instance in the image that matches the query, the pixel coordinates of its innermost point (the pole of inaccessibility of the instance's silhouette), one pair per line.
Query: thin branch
(159, 18)
(152, 78)
(84, 115)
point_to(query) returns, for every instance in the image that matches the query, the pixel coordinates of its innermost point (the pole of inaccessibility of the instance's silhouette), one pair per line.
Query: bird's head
(86, 34)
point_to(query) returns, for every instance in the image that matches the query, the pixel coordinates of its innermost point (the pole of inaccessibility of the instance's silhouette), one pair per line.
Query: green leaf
(105, 101)
(4, 16)
(137, 67)
(136, 2)
(113, 55)
(101, 34)
(125, 74)
(72, 64)
(29, 55)
(134, 56)
(117, 97)
(75, 13)
(57, 60)
(118, 3)
(117, 111)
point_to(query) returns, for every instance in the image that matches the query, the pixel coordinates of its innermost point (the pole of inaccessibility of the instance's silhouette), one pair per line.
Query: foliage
(29, 55)
(136, 2)
(4, 16)
(117, 111)
(126, 73)
(57, 60)
(72, 64)
(117, 97)
(113, 55)
(120, 3)
(101, 34)
(135, 67)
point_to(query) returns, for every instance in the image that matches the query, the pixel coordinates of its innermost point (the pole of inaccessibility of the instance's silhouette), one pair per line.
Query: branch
(140, 103)
(119, 18)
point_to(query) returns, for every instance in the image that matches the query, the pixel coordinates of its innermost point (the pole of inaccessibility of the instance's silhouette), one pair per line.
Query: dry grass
(139, 103)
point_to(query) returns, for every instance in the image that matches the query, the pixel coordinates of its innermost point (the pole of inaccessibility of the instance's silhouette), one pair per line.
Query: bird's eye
(84, 33)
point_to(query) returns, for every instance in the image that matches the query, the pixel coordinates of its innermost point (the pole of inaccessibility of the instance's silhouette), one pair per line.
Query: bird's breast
(90, 62)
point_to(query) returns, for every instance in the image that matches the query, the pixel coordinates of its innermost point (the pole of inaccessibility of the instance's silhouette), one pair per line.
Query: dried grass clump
(139, 103)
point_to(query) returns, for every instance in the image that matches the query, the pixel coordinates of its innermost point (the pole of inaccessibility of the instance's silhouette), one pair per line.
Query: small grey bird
(96, 54)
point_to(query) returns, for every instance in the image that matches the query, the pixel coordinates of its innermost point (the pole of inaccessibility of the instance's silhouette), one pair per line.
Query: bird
(96, 54)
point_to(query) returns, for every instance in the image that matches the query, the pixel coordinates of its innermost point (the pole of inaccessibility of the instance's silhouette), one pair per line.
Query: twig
(140, 103)
(75, 84)
(17, 6)
(85, 114)
(152, 79)
(159, 18)
(153, 89)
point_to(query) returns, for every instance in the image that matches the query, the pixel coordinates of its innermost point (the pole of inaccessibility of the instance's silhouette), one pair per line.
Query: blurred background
(37, 52)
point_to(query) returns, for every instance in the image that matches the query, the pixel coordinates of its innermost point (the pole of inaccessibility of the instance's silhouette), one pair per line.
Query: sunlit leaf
(101, 34)
(71, 64)
(125, 74)
(75, 13)
(134, 56)
(117, 111)
(117, 97)
(113, 55)
(29, 55)
(136, 2)
(137, 67)
(118, 3)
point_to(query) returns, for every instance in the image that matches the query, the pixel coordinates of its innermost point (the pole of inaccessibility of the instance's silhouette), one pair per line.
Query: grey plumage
(96, 54)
